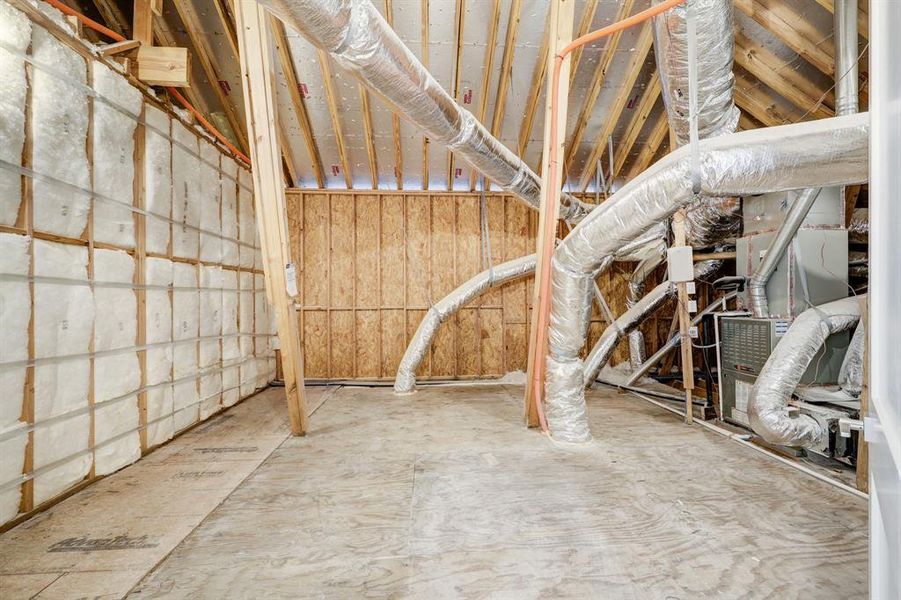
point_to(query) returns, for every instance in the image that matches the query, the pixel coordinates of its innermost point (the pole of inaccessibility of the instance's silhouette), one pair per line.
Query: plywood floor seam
(444, 494)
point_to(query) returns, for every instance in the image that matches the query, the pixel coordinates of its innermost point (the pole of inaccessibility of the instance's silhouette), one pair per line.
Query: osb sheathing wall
(371, 264)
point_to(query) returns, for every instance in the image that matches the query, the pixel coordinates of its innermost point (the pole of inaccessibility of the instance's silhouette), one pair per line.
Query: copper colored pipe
(554, 189)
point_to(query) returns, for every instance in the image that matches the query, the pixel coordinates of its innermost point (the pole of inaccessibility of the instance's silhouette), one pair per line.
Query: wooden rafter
(594, 90)
(584, 26)
(636, 124)
(369, 136)
(329, 89)
(163, 36)
(201, 49)
(754, 98)
(633, 70)
(538, 75)
(746, 122)
(503, 85)
(114, 17)
(651, 147)
(223, 9)
(863, 19)
(793, 29)
(459, 18)
(395, 119)
(297, 101)
(487, 68)
(785, 81)
(424, 38)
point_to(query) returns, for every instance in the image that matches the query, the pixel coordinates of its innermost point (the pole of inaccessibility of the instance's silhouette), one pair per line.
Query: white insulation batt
(15, 34)
(157, 179)
(246, 224)
(185, 332)
(210, 220)
(229, 183)
(113, 157)
(63, 325)
(59, 128)
(210, 331)
(117, 376)
(185, 192)
(158, 328)
(15, 313)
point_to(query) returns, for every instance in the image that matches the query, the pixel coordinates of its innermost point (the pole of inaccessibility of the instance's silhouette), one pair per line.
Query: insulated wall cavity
(15, 36)
(185, 333)
(210, 333)
(63, 326)
(59, 127)
(185, 192)
(157, 180)
(229, 182)
(158, 363)
(116, 110)
(210, 198)
(246, 224)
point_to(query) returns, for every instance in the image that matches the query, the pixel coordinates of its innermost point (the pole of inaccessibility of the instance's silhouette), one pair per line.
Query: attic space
(450, 299)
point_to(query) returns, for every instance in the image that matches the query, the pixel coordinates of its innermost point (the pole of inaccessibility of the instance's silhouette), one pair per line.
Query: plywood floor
(444, 495)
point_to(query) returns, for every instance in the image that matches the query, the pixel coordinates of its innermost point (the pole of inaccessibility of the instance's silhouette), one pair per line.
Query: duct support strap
(825, 152)
(768, 410)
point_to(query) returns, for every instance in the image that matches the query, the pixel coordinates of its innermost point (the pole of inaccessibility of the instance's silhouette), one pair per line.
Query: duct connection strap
(824, 152)
(90, 313)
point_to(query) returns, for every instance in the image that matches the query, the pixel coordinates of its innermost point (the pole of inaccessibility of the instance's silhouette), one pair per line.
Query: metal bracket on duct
(405, 380)
(768, 401)
(824, 152)
(356, 35)
(632, 318)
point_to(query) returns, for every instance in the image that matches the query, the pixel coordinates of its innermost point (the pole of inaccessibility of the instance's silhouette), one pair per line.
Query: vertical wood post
(561, 28)
(688, 376)
(269, 195)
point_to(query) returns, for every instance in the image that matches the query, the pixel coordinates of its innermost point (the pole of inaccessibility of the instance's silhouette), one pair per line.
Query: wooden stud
(329, 89)
(487, 67)
(395, 119)
(142, 29)
(424, 40)
(118, 48)
(561, 26)
(191, 20)
(634, 68)
(688, 377)
(140, 272)
(594, 90)
(459, 19)
(269, 196)
(639, 118)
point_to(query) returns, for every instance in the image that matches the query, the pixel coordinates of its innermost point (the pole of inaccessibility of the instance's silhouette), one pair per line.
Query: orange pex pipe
(92, 24)
(550, 226)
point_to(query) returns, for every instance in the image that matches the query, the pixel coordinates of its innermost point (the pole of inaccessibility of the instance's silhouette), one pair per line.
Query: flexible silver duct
(708, 219)
(859, 227)
(405, 380)
(768, 410)
(634, 316)
(846, 94)
(827, 152)
(356, 35)
(850, 375)
(673, 343)
(858, 264)
(636, 290)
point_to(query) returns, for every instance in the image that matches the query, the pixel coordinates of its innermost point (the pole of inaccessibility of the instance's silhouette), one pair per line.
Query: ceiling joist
(329, 89)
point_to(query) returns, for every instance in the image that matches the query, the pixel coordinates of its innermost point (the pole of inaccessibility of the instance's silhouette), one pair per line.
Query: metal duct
(354, 33)
(850, 375)
(636, 290)
(846, 93)
(630, 320)
(405, 380)
(827, 152)
(673, 343)
(768, 410)
(708, 219)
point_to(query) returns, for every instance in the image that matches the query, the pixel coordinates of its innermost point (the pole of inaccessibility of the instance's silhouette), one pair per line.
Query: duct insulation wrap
(113, 157)
(63, 324)
(768, 410)
(117, 376)
(636, 290)
(850, 375)
(356, 35)
(824, 152)
(158, 364)
(157, 180)
(634, 316)
(59, 128)
(15, 314)
(859, 227)
(15, 34)
(417, 349)
(708, 219)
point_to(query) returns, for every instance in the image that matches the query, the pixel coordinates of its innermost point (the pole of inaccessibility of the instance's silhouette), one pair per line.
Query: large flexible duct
(634, 316)
(826, 152)
(674, 341)
(636, 290)
(846, 86)
(859, 227)
(708, 219)
(768, 410)
(405, 380)
(356, 35)
(850, 375)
